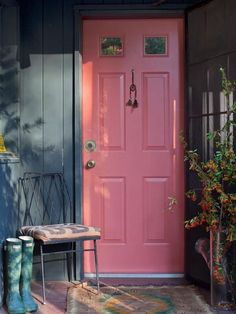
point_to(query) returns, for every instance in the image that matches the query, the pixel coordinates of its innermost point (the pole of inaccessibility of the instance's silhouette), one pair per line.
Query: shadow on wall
(10, 124)
(39, 128)
(11, 128)
(9, 97)
(8, 211)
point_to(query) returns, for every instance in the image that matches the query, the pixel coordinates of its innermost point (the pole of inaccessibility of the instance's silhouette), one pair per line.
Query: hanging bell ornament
(132, 102)
(129, 103)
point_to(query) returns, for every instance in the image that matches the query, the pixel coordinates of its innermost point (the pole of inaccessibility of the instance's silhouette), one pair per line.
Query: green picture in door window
(155, 45)
(111, 46)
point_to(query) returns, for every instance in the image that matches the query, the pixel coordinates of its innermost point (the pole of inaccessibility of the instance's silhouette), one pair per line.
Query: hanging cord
(132, 102)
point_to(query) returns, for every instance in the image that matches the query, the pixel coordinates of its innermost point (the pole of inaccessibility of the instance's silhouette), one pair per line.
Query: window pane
(111, 46)
(155, 45)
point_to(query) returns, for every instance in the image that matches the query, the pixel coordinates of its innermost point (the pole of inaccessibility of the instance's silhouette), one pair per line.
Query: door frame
(81, 13)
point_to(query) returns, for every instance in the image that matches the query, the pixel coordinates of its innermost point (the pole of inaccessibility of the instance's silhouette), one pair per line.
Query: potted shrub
(216, 202)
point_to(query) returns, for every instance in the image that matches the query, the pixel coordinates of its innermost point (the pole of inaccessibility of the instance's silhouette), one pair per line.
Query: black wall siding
(211, 45)
(68, 94)
(53, 106)
(10, 105)
(46, 97)
(1, 227)
(31, 86)
(46, 86)
(9, 125)
(210, 31)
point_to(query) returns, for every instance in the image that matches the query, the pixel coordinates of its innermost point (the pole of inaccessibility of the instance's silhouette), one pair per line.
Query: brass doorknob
(90, 164)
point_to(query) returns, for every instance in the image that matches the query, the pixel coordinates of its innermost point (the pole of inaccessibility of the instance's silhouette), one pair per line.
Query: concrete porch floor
(56, 294)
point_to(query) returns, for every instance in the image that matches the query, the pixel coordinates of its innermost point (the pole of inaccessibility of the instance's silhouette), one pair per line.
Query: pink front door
(139, 160)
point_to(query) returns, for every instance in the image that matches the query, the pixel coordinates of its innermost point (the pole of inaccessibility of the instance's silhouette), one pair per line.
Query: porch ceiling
(177, 4)
(160, 4)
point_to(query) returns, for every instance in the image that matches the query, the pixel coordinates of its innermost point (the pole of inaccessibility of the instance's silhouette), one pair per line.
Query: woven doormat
(124, 300)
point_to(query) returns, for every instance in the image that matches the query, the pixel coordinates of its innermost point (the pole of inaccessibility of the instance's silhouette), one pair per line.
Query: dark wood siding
(211, 45)
(46, 95)
(9, 124)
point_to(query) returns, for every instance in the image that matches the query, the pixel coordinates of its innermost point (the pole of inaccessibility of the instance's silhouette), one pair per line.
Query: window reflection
(155, 45)
(111, 46)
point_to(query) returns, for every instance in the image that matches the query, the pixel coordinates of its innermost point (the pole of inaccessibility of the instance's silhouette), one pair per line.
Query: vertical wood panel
(31, 86)
(230, 24)
(31, 59)
(68, 151)
(9, 125)
(1, 229)
(214, 80)
(53, 97)
(209, 48)
(9, 110)
(196, 34)
(68, 146)
(53, 87)
(216, 38)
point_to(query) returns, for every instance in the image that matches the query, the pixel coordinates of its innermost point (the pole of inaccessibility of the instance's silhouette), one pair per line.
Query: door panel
(154, 190)
(155, 112)
(111, 122)
(113, 210)
(139, 161)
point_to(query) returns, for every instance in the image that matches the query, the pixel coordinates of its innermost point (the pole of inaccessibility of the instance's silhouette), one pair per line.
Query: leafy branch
(217, 200)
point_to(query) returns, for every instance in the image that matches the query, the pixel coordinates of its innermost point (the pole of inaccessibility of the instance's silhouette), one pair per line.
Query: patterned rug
(138, 300)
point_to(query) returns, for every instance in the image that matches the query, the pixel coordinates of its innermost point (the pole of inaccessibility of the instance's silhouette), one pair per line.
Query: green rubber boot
(14, 256)
(26, 274)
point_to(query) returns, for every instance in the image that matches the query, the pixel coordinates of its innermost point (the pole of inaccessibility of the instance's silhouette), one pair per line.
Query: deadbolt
(90, 145)
(90, 164)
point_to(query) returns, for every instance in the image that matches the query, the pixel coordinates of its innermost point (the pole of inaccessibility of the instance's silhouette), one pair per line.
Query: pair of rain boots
(19, 274)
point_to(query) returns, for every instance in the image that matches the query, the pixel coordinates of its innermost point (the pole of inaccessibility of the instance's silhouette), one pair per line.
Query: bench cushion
(61, 232)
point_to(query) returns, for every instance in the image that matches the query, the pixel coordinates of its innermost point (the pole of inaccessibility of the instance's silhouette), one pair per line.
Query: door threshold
(138, 275)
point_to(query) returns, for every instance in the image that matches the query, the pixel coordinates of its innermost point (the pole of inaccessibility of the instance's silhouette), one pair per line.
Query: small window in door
(111, 47)
(155, 46)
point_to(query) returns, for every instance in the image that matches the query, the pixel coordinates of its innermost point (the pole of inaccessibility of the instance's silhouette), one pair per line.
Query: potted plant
(216, 202)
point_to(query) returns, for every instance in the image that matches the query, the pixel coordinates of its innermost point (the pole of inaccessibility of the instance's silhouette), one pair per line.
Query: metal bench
(47, 208)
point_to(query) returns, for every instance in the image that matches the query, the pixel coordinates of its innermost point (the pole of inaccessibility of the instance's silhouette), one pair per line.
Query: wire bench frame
(46, 201)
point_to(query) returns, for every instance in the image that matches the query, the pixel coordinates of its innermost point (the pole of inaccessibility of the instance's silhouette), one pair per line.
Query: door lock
(90, 145)
(90, 164)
